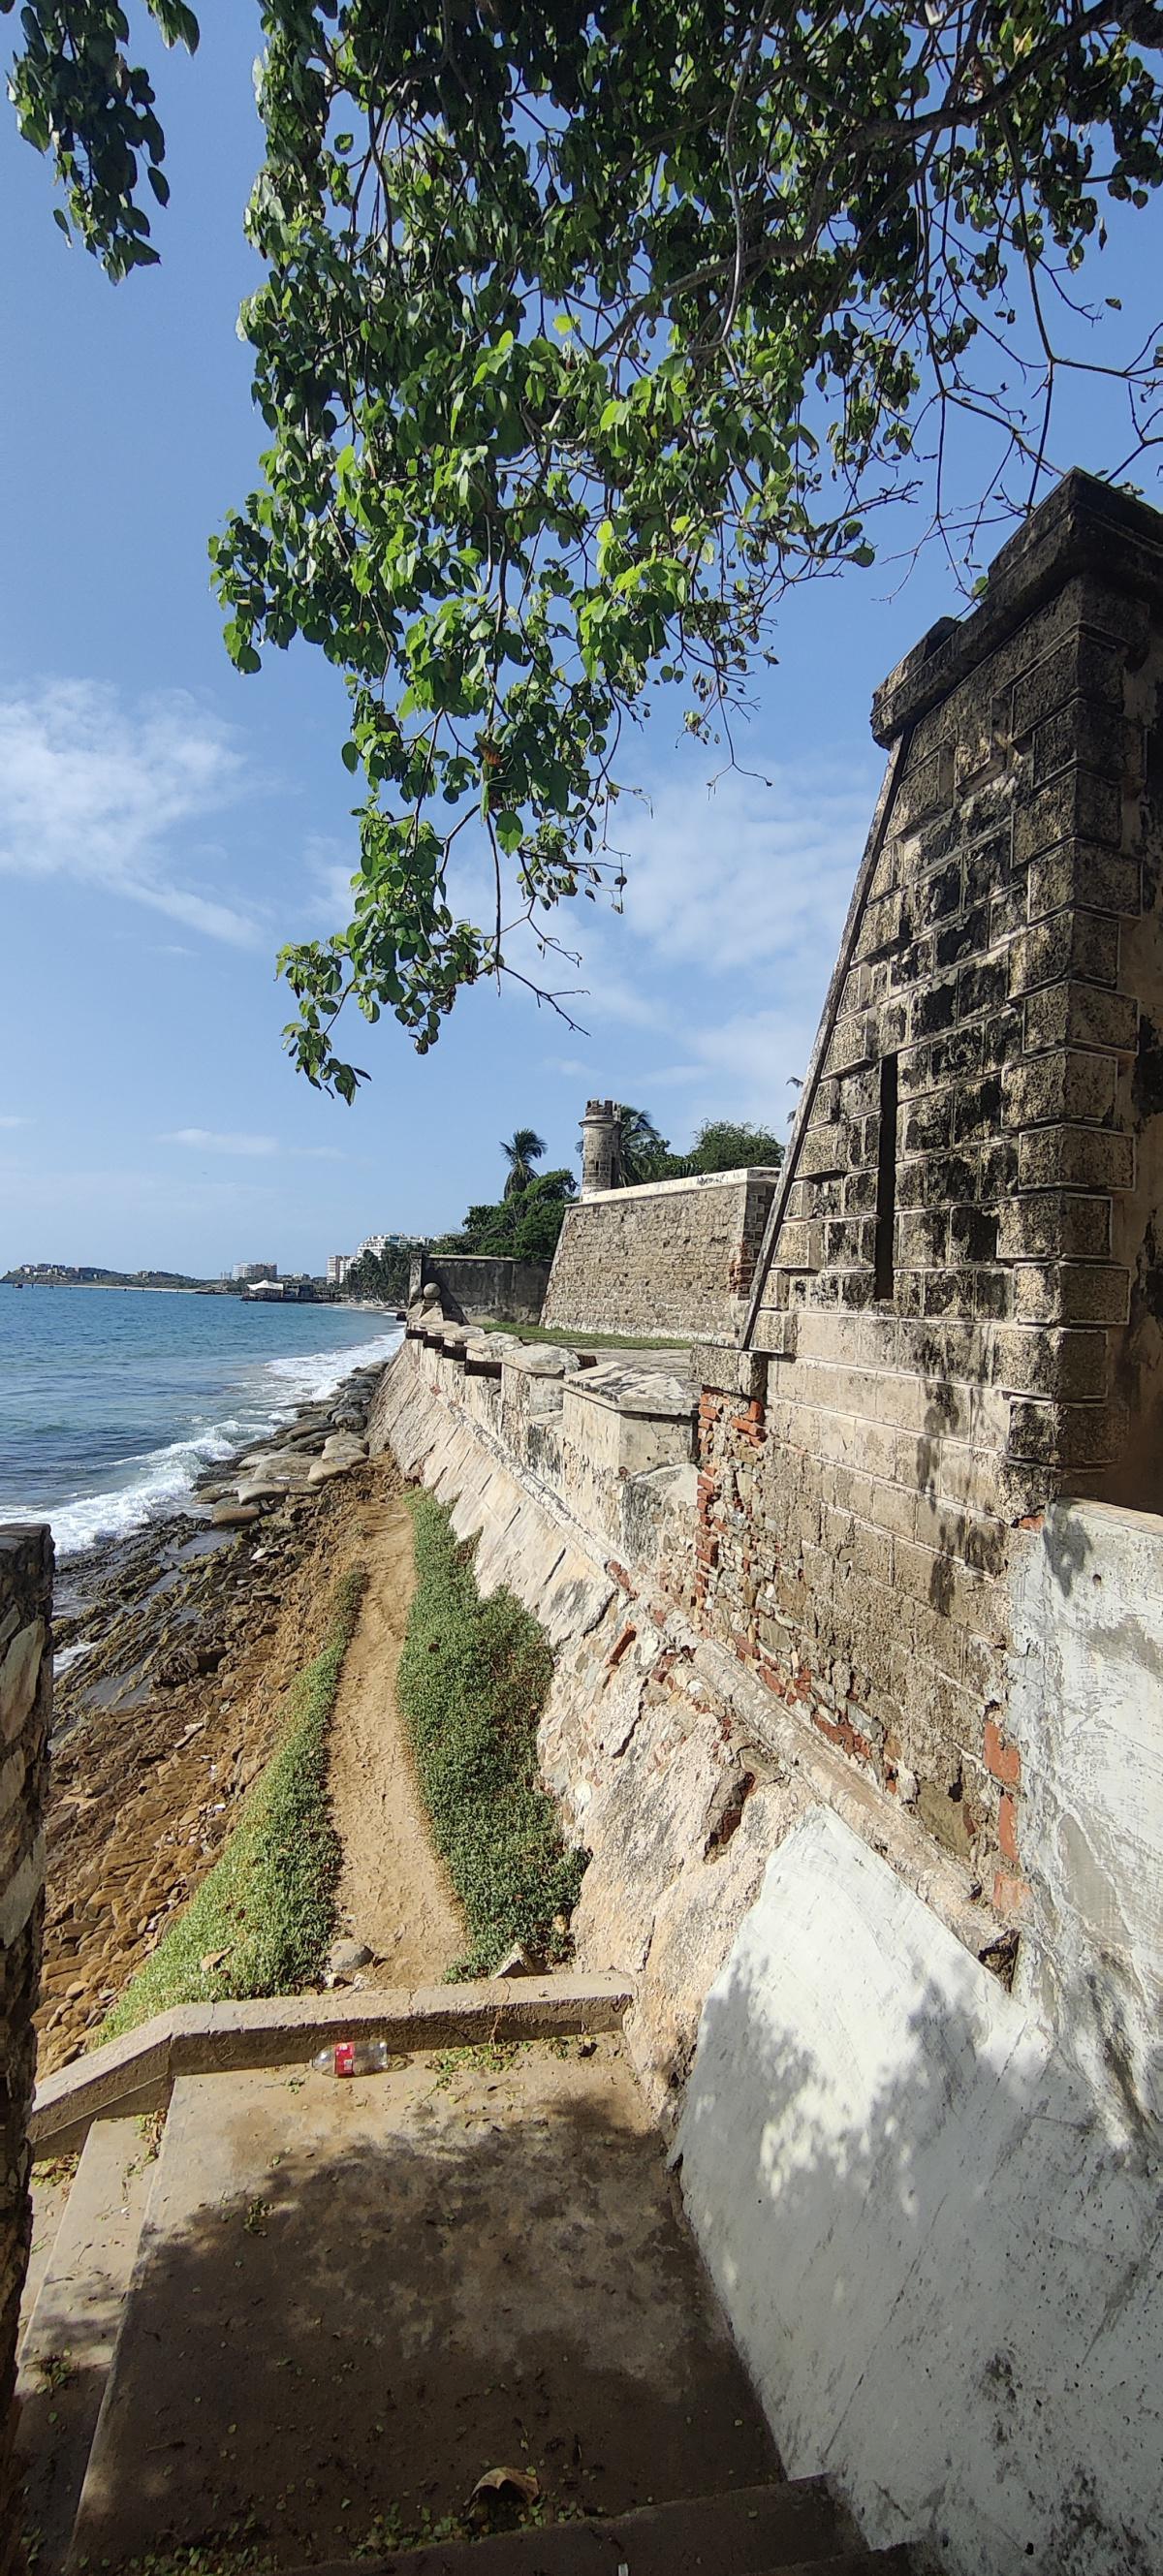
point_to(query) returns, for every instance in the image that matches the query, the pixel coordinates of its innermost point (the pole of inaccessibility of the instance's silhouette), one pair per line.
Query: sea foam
(161, 1481)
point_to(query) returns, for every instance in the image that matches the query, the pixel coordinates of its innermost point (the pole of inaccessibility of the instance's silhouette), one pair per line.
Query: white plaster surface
(1086, 1716)
(940, 2260)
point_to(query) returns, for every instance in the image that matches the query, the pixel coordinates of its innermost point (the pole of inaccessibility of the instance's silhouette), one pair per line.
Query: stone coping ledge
(543, 1359)
(649, 1394)
(660, 1189)
(199, 2039)
(1084, 526)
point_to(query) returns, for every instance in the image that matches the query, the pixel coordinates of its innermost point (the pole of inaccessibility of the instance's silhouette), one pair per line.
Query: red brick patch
(1002, 1759)
(842, 1733)
(1011, 1894)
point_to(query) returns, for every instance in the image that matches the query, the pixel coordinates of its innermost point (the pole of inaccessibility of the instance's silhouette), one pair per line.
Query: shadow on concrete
(348, 2311)
(940, 2248)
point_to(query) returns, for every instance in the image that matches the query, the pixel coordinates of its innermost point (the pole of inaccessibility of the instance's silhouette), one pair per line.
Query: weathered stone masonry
(25, 1704)
(957, 1314)
(858, 1628)
(667, 1257)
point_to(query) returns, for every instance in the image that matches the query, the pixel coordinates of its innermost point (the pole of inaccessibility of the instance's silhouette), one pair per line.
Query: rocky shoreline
(141, 1609)
(174, 1647)
(321, 1442)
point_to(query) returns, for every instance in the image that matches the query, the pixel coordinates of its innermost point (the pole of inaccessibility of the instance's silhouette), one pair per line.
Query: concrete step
(50, 2183)
(351, 2300)
(68, 2346)
(796, 2526)
(854, 2562)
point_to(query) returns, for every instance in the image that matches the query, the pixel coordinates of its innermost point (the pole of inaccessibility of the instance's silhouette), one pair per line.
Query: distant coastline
(123, 1287)
(153, 1284)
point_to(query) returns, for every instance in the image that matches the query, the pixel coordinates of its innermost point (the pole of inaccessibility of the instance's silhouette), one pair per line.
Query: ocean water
(113, 1400)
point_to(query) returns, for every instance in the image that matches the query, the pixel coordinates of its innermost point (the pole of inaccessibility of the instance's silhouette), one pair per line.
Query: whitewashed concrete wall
(933, 2209)
(1086, 1717)
(941, 2267)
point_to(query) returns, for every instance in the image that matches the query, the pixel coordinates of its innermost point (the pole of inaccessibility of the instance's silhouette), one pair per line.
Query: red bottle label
(345, 2057)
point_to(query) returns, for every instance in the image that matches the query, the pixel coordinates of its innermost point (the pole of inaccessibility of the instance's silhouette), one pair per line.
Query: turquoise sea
(112, 1400)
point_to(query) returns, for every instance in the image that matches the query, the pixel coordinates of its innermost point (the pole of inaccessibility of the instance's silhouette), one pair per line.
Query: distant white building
(338, 1265)
(255, 1270)
(389, 1243)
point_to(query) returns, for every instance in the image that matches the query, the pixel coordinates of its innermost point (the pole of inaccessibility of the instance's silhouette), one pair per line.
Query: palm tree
(640, 1145)
(525, 1147)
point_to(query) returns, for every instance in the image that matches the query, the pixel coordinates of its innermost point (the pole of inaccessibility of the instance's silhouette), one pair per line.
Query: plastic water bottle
(353, 2057)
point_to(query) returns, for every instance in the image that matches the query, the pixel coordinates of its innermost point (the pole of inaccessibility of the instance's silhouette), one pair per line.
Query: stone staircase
(310, 2318)
(776, 2530)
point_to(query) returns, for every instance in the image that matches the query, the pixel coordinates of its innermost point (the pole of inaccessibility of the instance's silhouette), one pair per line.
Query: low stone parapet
(135, 2073)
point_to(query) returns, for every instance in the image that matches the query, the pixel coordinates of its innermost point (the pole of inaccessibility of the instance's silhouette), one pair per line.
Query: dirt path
(393, 1893)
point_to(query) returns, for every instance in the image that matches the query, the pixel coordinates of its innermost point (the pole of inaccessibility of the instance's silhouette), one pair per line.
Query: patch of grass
(568, 1341)
(265, 1913)
(488, 2057)
(472, 1678)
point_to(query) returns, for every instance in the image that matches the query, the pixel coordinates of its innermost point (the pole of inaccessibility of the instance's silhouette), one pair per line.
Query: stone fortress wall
(857, 1704)
(25, 1704)
(474, 1284)
(667, 1258)
(957, 1315)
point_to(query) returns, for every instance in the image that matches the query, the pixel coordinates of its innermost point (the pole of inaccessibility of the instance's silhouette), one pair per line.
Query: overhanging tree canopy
(583, 331)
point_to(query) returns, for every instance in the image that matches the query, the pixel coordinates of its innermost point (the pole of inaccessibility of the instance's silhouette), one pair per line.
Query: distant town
(364, 1271)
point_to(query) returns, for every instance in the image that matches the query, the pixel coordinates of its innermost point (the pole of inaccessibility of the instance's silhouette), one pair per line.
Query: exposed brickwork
(25, 1702)
(962, 1292)
(676, 1257)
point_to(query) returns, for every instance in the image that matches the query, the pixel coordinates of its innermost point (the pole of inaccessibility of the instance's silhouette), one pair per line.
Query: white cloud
(15, 1122)
(207, 1140)
(96, 792)
(753, 1060)
(748, 874)
(211, 1140)
(331, 864)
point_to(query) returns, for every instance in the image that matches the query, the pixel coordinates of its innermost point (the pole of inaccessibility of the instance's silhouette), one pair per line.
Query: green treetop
(584, 330)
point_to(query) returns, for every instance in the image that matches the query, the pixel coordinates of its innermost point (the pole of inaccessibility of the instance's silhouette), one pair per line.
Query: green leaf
(577, 340)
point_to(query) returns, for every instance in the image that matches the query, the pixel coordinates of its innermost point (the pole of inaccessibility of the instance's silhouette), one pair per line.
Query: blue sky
(165, 824)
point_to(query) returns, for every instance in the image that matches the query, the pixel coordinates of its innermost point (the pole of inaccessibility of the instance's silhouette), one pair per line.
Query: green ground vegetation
(472, 1680)
(263, 1919)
